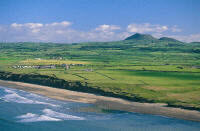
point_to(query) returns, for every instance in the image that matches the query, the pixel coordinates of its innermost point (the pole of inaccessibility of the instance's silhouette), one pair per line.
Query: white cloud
(151, 28)
(175, 29)
(60, 32)
(33, 25)
(146, 28)
(63, 23)
(15, 25)
(37, 27)
(63, 32)
(35, 30)
(106, 28)
(28, 25)
(187, 38)
(1, 28)
(158, 35)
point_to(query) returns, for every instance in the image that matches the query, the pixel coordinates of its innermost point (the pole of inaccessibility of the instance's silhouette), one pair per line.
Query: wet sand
(104, 102)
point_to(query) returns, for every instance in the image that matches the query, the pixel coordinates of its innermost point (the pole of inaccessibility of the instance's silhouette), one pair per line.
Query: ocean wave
(48, 115)
(12, 96)
(17, 98)
(29, 117)
(9, 91)
(59, 115)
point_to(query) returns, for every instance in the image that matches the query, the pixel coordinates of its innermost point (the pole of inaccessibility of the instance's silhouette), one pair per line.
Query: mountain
(195, 42)
(139, 36)
(167, 39)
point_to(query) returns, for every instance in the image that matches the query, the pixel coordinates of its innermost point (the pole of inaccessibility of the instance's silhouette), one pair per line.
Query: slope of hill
(139, 36)
(167, 39)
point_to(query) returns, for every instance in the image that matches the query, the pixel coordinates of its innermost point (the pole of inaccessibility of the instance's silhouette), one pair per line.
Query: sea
(24, 111)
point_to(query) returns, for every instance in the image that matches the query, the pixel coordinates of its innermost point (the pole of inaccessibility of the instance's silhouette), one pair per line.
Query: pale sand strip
(105, 102)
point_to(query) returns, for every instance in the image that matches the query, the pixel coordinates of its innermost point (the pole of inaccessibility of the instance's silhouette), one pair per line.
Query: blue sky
(97, 20)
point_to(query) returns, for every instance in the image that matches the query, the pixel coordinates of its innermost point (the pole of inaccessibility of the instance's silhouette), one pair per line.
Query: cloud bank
(64, 33)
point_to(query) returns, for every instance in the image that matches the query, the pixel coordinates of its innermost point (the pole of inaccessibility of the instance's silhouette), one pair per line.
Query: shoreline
(105, 102)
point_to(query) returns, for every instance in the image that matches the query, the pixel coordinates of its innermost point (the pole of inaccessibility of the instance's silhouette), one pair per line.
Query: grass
(165, 72)
(50, 62)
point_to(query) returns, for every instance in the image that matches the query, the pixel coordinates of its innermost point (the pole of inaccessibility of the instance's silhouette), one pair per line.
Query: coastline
(104, 102)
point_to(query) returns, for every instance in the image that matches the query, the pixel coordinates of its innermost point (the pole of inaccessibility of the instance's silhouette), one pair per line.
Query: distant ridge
(148, 37)
(195, 42)
(167, 39)
(139, 36)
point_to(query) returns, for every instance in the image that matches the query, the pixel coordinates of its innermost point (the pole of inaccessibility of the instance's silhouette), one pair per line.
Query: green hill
(195, 42)
(167, 39)
(139, 36)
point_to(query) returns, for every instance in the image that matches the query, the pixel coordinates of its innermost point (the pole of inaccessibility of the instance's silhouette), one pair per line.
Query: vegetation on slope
(139, 36)
(167, 39)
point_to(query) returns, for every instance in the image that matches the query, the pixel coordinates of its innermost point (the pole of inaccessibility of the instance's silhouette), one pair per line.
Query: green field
(165, 70)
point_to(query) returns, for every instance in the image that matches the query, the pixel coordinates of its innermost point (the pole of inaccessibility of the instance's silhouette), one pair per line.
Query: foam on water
(9, 91)
(54, 111)
(59, 115)
(29, 117)
(13, 96)
(48, 115)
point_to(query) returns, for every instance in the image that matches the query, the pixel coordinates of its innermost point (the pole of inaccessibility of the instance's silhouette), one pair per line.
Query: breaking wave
(29, 117)
(48, 115)
(13, 96)
(63, 116)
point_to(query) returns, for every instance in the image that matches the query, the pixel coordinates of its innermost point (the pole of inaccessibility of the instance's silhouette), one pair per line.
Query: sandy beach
(105, 102)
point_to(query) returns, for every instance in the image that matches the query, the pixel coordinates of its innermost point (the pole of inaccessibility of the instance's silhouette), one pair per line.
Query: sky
(69, 21)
